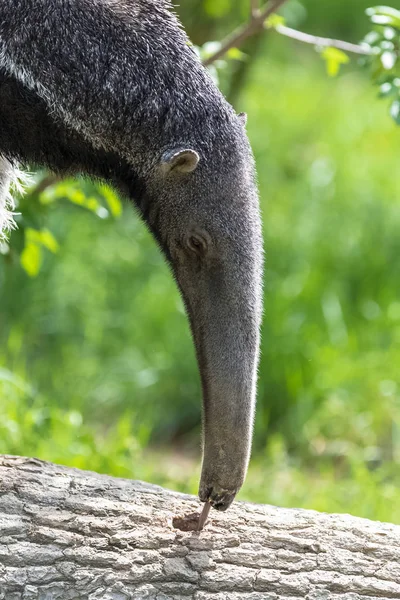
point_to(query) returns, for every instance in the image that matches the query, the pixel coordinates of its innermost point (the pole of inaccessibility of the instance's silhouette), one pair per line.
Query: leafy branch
(380, 49)
(242, 33)
(259, 21)
(322, 42)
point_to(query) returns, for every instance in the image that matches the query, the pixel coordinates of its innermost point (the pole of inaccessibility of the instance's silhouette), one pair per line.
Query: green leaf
(32, 236)
(32, 256)
(395, 111)
(76, 197)
(31, 259)
(112, 199)
(48, 240)
(384, 15)
(372, 38)
(388, 60)
(217, 8)
(42, 237)
(236, 54)
(389, 33)
(334, 58)
(387, 45)
(386, 89)
(274, 21)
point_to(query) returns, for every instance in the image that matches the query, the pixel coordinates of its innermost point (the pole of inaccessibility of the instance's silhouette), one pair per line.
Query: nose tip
(219, 498)
(222, 501)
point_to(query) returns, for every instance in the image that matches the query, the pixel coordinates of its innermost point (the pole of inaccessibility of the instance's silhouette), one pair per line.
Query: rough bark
(73, 535)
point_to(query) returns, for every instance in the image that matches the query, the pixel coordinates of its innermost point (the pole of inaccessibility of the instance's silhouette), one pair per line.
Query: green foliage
(384, 43)
(384, 15)
(96, 359)
(37, 426)
(31, 255)
(35, 207)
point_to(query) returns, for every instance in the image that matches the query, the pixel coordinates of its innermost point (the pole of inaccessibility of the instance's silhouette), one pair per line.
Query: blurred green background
(97, 368)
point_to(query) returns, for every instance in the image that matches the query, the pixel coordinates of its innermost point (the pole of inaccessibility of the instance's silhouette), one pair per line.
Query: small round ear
(243, 117)
(182, 161)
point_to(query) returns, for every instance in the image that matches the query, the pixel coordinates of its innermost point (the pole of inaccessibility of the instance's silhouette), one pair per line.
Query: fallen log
(76, 535)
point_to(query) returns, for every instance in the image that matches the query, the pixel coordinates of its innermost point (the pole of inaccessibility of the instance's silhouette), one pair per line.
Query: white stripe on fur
(11, 181)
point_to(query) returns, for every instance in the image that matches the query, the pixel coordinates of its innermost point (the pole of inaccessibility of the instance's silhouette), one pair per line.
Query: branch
(254, 6)
(46, 182)
(257, 24)
(242, 33)
(306, 38)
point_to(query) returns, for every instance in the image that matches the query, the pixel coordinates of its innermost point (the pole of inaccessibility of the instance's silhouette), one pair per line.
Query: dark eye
(198, 244)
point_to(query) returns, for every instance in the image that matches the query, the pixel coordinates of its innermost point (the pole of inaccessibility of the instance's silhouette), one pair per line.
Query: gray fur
(111, 88)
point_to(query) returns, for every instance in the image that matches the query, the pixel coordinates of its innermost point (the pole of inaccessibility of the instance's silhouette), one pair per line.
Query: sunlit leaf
(32, 236)
(42, 237)
(389, 33)
(236, 54)
(274, 21)
(384, 15)
(387, 45)
(372, 38)
(395, 111)
(92, 204)
(386, 89)
(48, 240)
(112, 199)
(77, 197)
(388, 60)
(334, 58)
(31, 259)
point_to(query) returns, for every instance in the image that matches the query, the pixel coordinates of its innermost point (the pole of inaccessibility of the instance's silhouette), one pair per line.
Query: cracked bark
(74, 535)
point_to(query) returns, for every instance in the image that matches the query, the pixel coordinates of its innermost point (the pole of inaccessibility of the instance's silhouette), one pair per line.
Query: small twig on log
(203, 517)
(242, 33)
(306, 38)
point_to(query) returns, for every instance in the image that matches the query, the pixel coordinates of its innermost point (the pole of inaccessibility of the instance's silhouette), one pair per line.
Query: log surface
(74, 535)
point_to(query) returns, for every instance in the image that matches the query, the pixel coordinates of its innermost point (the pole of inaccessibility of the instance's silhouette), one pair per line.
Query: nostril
(222, 501)
(205, 493)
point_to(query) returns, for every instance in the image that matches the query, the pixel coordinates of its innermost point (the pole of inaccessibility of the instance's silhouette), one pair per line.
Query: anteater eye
(197, 244)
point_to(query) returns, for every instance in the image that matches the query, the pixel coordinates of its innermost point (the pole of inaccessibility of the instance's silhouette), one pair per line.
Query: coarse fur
(9, 182)
(112, 88)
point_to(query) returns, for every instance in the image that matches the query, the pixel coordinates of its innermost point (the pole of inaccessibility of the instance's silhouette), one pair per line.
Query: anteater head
(201, 203)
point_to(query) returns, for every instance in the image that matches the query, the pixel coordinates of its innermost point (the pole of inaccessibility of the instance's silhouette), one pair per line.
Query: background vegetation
(97, 368)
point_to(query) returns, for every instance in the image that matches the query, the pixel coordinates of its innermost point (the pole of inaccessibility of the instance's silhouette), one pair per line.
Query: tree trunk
(74, 535)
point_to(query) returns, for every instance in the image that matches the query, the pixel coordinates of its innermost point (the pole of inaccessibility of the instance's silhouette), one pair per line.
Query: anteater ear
(243, 118)
(184, 161)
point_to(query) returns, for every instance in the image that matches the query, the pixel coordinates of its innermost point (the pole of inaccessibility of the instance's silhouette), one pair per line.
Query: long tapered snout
(224, 306)
(229, 389)
(215, 248)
